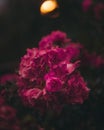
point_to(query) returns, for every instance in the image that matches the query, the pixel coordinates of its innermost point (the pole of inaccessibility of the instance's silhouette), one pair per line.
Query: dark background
(22, 26)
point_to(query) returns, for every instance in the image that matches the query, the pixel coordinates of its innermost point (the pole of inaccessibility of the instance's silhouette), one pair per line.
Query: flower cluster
(48, 75)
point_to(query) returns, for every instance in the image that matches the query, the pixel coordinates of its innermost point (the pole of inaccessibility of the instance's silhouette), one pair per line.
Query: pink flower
(45, 43)
(62, 70)
(86, 5)
(72, 66)
(77, 89)
(73, 50)
(53, 39)
(55, 56)
(7, 78)
(59, 38)
(59, 71)
(8, 119)
(53, 84)
(27, 61)
(7, 112)
(45, 73)
(32, 94)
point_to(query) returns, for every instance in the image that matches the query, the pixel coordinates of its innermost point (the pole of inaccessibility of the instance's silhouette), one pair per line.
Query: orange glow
(48, 6)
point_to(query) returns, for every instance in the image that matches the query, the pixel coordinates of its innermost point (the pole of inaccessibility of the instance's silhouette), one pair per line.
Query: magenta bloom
(86, 5)
(7, 78)
(53, 39)
(45, 73)
(8, 119)
(53, 84)
(77, 89)
(31, 95)
(7, 112)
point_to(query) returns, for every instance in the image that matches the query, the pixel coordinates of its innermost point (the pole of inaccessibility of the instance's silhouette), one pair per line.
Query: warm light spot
(48, 6)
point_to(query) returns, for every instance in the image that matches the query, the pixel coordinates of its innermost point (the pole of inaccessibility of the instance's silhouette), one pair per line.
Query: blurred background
(24, 22)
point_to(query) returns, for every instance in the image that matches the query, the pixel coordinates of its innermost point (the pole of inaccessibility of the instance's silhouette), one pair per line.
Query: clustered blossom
(48, 75)
(8, 119)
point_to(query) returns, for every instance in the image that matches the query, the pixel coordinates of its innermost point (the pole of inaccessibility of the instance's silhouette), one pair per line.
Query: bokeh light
(48, 6)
